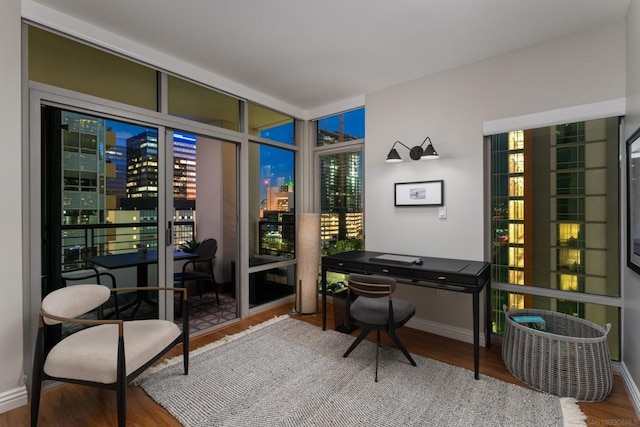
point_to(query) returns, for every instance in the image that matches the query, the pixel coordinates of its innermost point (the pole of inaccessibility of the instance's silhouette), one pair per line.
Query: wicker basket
(570, 359)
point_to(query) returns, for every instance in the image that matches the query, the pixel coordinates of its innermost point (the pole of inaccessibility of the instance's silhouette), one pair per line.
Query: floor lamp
(308, 242)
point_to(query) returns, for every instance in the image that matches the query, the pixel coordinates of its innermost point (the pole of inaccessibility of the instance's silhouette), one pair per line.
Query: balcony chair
(105, 353)
(374, 309)
(199, 269)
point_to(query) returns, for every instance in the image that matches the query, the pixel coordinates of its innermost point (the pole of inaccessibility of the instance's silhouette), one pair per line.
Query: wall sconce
(416, 153)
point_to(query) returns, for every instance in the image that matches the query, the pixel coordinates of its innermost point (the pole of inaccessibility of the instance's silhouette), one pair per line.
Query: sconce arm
(425, 140)
(399, 142)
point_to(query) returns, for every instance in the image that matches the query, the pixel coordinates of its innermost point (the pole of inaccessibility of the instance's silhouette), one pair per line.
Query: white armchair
(107, 353)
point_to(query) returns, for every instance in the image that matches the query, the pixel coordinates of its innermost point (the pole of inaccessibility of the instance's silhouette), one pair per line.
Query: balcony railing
(277, 238)
(85, 240)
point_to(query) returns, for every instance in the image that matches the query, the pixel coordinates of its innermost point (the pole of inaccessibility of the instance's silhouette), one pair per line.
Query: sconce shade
(430, 152)
(308, 267)
(393, 156)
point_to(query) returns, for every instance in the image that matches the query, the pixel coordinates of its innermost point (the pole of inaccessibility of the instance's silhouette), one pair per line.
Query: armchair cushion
(73, 301)
(91, 354)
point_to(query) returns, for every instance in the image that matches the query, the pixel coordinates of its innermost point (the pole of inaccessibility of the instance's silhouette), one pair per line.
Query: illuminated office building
(184, 170)
(84, 168)
(554, 215)
(276, 228)
(184, 187)
(341, 201)
(85, 174)
(142, 171)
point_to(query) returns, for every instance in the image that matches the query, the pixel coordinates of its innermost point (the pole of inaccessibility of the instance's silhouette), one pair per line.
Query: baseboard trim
(453, 332)
(12, 399)
(632, 389)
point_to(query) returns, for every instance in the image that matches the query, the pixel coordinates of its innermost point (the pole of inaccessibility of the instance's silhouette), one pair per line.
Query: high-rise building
(555, 215)
(184, 187)
(142, 171)
(84, 168)
(184, 170)
(116, 183)
(85, 173)
(341, 197)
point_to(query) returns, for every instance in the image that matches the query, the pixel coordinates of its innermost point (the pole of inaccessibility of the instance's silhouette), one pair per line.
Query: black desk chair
(375, 310)
(200, 269)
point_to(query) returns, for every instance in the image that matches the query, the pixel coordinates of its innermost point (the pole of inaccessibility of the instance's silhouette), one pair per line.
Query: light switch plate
(442, 212)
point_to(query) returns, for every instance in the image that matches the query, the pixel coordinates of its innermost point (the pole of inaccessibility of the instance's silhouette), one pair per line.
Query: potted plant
(189, 246)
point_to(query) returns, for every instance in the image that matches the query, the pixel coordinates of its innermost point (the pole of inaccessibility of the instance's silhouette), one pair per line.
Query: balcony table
(140, 260)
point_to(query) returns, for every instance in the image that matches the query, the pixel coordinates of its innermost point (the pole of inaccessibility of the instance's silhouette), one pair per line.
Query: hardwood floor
(71, 405)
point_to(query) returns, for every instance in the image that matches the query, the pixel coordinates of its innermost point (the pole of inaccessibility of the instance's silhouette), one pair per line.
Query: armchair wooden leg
(36, 380)
(36, 388)
(185, 335)
(122, 404)
(121, 387)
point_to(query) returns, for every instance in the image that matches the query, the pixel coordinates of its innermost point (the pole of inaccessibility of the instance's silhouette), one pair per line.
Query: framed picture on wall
(633, 201)
(419, 193)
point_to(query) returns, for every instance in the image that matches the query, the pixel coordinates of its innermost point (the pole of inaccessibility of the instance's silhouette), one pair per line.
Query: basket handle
(607, 328)
(505, 308)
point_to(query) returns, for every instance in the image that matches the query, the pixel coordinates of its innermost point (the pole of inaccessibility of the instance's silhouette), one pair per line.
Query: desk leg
(476, 333)
(487, 315)
(324, 298)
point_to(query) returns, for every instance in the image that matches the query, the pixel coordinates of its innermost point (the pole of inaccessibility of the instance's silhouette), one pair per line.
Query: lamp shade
(393, 156)
(308, 255)
(429, 153)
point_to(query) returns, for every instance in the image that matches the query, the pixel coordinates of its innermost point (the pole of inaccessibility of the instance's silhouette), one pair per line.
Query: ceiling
(312, 54)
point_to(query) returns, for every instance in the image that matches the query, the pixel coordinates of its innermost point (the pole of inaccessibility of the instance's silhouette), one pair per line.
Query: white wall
(209, 185)
(12, 393)
(229, 213)
(451, 108)
(631, 280)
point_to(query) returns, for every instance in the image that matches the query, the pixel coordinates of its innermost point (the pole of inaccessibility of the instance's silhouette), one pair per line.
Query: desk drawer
(343, 265)
(449, 278)
(460, 279)
(389, 270)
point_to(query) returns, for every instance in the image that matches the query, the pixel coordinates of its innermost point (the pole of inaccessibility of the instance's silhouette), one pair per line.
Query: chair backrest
(74, 301)
(86, 275)
(207, 249)
(371, 286)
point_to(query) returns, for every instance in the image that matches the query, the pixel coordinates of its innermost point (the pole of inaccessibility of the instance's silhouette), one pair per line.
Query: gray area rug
(287, 372)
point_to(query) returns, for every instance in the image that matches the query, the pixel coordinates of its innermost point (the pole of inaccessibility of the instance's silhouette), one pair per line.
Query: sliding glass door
(99, 210)
(203, 207)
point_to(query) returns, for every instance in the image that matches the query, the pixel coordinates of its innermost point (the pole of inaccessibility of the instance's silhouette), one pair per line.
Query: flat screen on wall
(633, 201)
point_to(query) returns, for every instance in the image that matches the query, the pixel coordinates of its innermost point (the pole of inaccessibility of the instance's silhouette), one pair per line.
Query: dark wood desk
(139, 260)
(455, 275)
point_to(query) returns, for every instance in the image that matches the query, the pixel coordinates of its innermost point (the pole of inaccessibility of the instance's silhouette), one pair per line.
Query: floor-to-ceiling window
(272, 205)
(205, 195)
(204, 208)
(111, 170)
(555, 222)
(339, 148)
